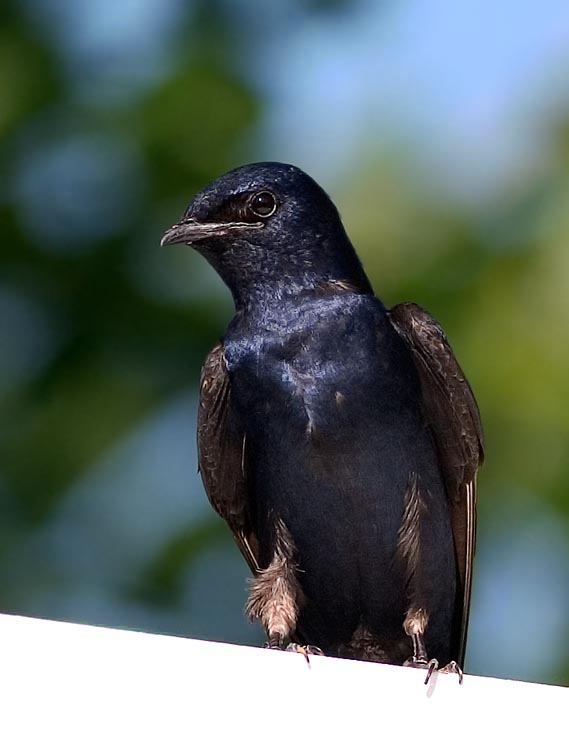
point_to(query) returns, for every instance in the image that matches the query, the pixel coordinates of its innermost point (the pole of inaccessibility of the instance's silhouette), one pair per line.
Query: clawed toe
(276, 644)
(433, 666)
(416, 663)
(430, 665)
(453, 668)
(306, 651)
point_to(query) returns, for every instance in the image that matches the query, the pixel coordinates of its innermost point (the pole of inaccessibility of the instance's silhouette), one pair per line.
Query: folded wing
(222, 455)
(452, 413)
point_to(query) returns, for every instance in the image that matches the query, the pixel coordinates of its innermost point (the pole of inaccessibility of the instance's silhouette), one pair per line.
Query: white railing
(76, 686)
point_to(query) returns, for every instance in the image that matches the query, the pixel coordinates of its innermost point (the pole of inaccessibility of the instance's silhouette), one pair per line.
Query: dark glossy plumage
(339, 440)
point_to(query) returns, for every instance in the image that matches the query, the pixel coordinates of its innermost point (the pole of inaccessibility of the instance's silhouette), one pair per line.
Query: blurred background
(441, 130)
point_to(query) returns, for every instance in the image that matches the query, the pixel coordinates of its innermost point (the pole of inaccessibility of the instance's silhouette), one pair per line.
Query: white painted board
(76, 686)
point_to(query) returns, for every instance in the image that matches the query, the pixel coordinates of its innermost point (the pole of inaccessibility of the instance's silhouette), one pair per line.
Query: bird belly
(335, 447)
(337, 478)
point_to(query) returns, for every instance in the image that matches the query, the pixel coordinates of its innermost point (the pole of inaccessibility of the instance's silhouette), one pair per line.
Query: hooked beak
(189, 231)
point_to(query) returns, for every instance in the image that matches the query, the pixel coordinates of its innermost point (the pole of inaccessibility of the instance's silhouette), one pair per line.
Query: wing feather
(222, 455)
(451, 410)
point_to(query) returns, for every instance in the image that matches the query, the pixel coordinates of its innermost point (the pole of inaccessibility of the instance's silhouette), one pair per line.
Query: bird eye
(263, 204)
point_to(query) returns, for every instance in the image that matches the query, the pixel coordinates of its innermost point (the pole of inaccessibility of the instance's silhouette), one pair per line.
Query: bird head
(268, 229)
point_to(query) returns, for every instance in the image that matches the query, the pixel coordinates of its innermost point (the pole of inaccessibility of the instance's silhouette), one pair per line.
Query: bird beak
(189, 231)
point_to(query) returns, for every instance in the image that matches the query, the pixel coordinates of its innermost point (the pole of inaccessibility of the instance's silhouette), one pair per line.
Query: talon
(296, 648)
(431, 667)
(275, 643)
(306, 651)
(453, 668)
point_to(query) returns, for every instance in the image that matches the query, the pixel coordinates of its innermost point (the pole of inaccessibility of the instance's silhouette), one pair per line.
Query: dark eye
(263, 204)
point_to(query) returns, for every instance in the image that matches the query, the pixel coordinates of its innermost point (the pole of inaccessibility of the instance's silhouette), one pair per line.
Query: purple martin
(339, 439)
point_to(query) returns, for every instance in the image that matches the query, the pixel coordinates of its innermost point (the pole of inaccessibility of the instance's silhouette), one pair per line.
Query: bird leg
(275, 592)
(411, 551)
(419, 649)
(272, 600)
(275, 596)
(275, 642)
(415, 625)
(420, 658)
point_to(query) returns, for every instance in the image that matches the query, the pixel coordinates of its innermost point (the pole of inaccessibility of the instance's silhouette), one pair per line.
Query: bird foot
(433, 666)
(276, 644)
(306, 651)
(273, 645)
(430, 665)
(453, 668)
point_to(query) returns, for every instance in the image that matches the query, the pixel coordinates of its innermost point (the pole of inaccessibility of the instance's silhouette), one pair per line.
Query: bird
(338, 439)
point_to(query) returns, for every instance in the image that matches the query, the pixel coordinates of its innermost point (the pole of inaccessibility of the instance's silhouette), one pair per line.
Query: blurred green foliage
(100, 329)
